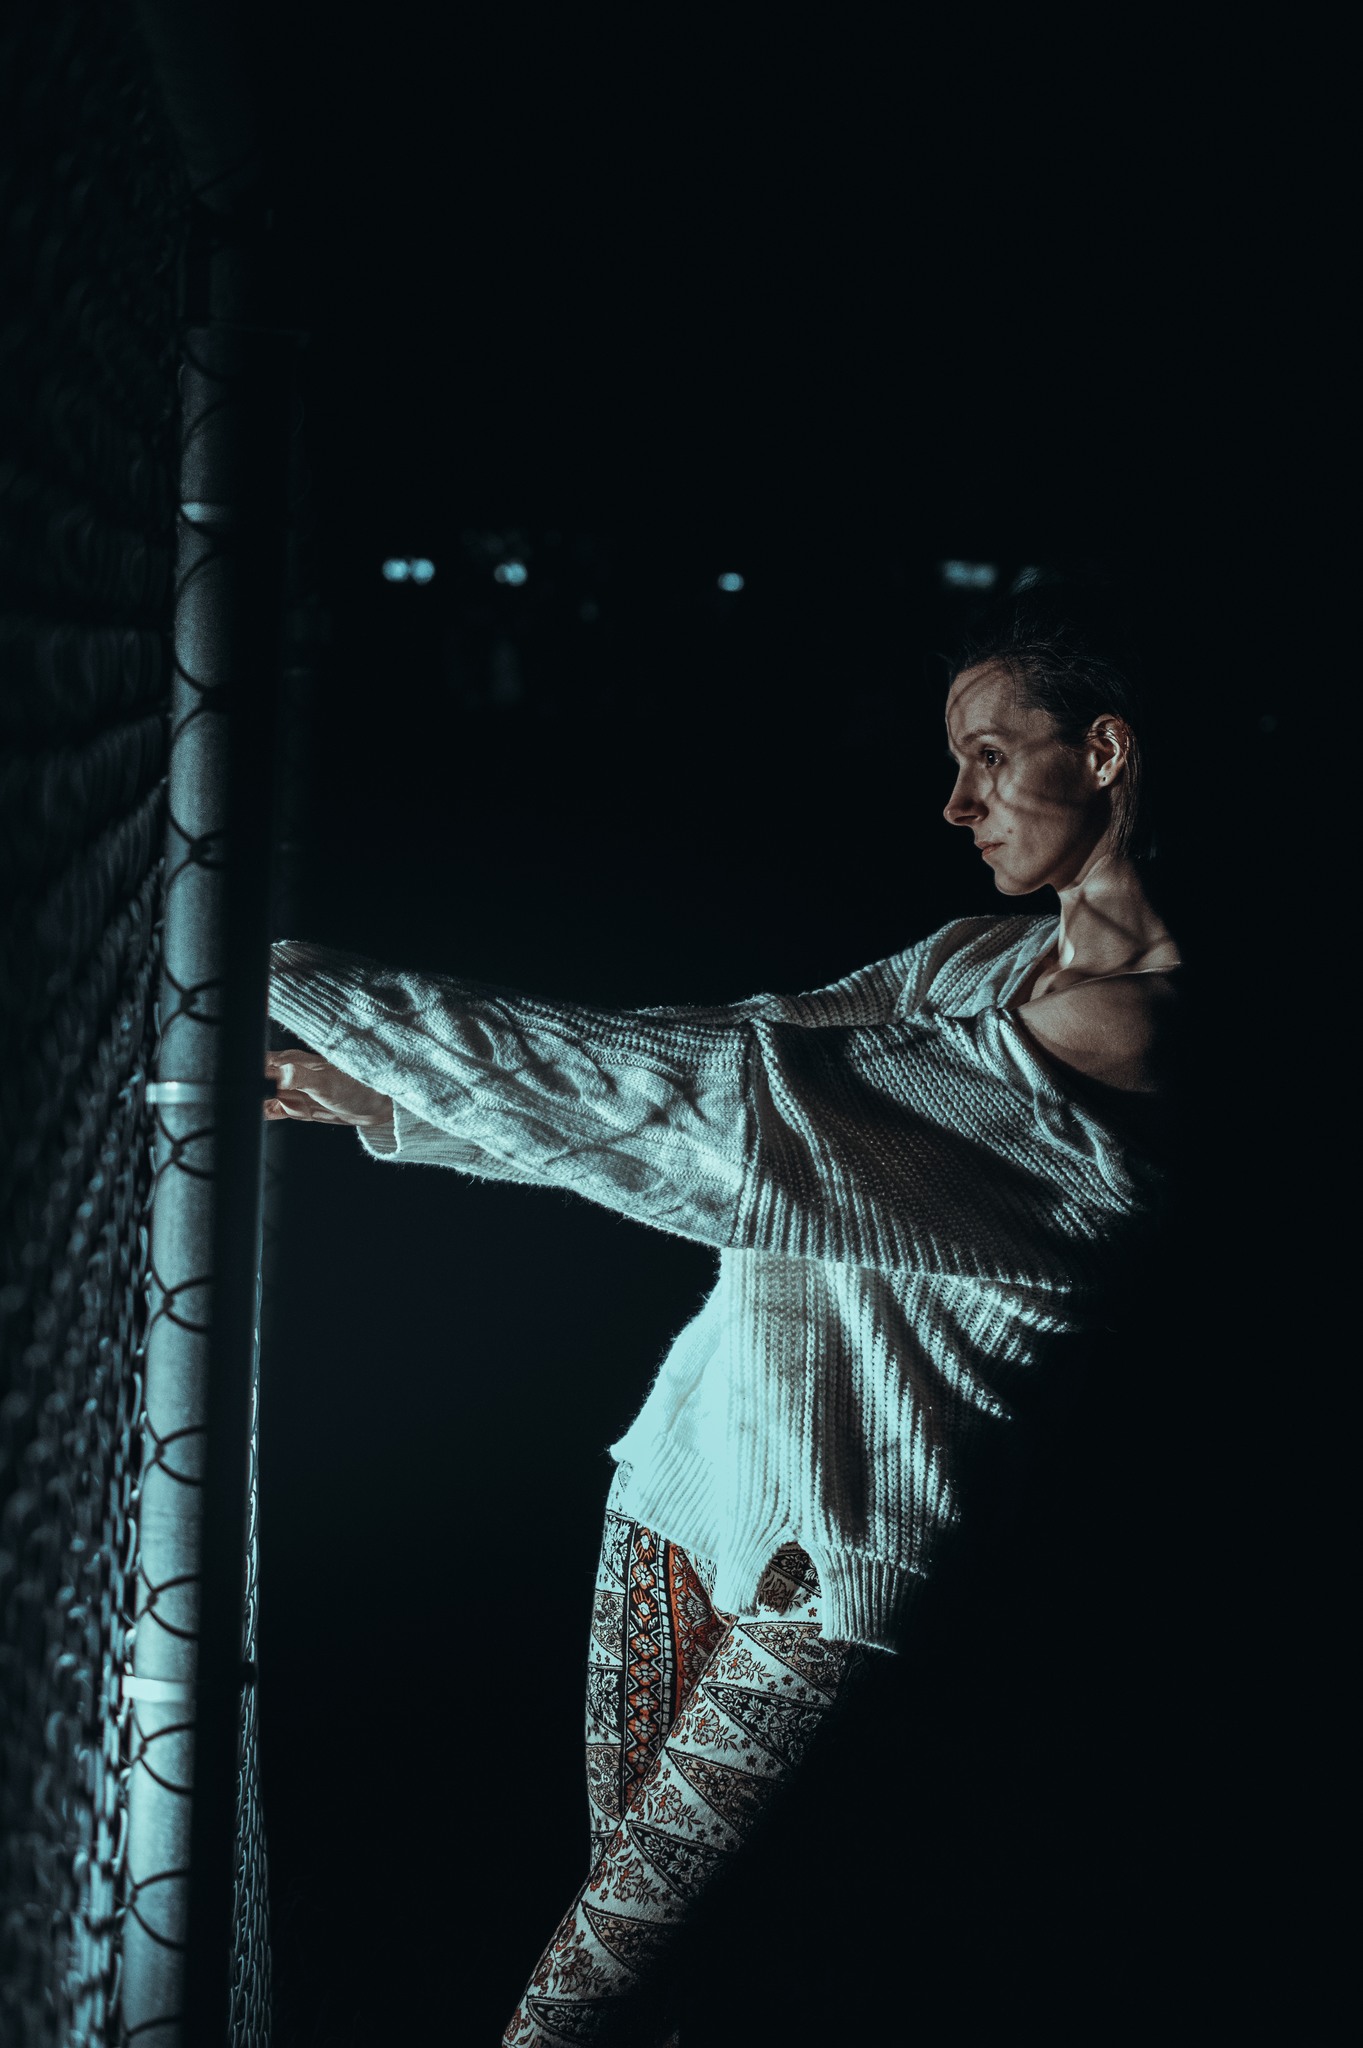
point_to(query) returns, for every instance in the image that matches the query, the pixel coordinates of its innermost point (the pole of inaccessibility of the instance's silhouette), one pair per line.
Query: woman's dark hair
(1073, 648)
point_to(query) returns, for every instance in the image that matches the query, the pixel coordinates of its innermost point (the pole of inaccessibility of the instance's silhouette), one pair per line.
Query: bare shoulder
(1116, 1029)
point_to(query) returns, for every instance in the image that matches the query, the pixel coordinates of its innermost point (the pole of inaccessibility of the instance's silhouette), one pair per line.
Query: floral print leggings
(694, 1720)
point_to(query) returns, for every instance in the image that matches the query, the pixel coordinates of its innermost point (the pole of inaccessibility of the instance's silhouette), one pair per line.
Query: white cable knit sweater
(906, 1202)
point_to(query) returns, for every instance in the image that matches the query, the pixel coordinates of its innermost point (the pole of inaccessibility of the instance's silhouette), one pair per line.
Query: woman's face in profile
(1034, 807)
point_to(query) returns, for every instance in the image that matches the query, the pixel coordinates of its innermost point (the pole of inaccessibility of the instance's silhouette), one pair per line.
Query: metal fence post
(188, 1675)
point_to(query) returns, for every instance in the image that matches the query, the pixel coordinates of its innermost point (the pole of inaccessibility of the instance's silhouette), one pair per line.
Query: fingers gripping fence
(132, 1845)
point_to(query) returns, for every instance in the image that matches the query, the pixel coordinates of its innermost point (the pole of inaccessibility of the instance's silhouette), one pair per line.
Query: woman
(916, 1178)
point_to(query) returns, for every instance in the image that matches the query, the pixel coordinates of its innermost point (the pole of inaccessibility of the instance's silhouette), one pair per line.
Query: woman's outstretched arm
(930, 1141)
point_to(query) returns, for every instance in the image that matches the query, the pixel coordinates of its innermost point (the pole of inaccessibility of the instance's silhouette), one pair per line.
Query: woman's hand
(312, 1091)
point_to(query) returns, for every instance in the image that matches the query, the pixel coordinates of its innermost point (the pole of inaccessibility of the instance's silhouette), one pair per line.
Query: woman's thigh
(654, 1629)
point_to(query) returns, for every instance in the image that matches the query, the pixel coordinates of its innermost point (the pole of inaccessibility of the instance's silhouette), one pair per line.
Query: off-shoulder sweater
(908, 1202)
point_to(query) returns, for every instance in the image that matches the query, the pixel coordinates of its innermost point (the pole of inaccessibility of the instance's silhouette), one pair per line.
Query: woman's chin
(1021, 885)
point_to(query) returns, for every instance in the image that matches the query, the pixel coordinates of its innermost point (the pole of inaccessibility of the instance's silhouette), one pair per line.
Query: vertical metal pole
(187, 1676)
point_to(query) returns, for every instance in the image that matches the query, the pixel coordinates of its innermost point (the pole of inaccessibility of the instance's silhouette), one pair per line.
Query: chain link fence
(93, 224)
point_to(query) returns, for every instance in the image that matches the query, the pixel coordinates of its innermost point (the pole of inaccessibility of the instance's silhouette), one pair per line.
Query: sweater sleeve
(644, 1115)
(928, 1141)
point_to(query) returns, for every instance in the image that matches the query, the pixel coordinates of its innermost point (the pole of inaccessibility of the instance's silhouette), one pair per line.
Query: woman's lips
(988, 845)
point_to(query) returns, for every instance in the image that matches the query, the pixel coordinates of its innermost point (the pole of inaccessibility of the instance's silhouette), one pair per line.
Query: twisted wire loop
(92, 219)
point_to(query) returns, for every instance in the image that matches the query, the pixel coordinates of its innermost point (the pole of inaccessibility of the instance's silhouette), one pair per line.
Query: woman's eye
(989, 755)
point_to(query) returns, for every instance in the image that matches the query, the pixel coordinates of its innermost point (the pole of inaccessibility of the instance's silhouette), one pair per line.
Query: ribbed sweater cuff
(304, 993)
(380, 1140)
(403, 1136)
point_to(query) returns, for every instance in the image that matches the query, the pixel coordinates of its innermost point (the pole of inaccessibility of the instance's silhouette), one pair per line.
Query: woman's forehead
(980, 693)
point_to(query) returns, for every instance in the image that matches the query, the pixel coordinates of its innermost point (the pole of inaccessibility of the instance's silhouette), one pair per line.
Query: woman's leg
(710, 1756)
(654, 1628)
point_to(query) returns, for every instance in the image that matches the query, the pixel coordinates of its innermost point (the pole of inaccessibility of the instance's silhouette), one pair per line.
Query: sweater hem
(675, 1496)
(863, 1598)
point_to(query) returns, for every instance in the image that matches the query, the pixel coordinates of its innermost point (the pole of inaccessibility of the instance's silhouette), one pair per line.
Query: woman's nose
(961, 807)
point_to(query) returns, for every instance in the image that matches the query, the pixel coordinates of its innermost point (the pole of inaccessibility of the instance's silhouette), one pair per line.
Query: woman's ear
(1109, 748)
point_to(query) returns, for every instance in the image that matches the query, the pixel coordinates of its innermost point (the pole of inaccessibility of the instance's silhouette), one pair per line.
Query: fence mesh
(93, 216)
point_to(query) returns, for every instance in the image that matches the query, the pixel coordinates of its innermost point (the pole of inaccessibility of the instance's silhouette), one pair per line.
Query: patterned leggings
(694, 1719)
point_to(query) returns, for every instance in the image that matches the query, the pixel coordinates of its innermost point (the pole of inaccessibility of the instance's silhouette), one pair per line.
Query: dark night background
(636, 303)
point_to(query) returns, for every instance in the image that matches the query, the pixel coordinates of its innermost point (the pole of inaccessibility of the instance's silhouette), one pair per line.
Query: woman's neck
(1108, 924)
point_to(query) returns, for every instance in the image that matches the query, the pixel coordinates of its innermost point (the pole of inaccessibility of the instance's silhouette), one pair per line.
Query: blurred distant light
(510, 572)
(968, 575)
(422, 570)
(731, 580)
(397, 571)
(408, 569)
